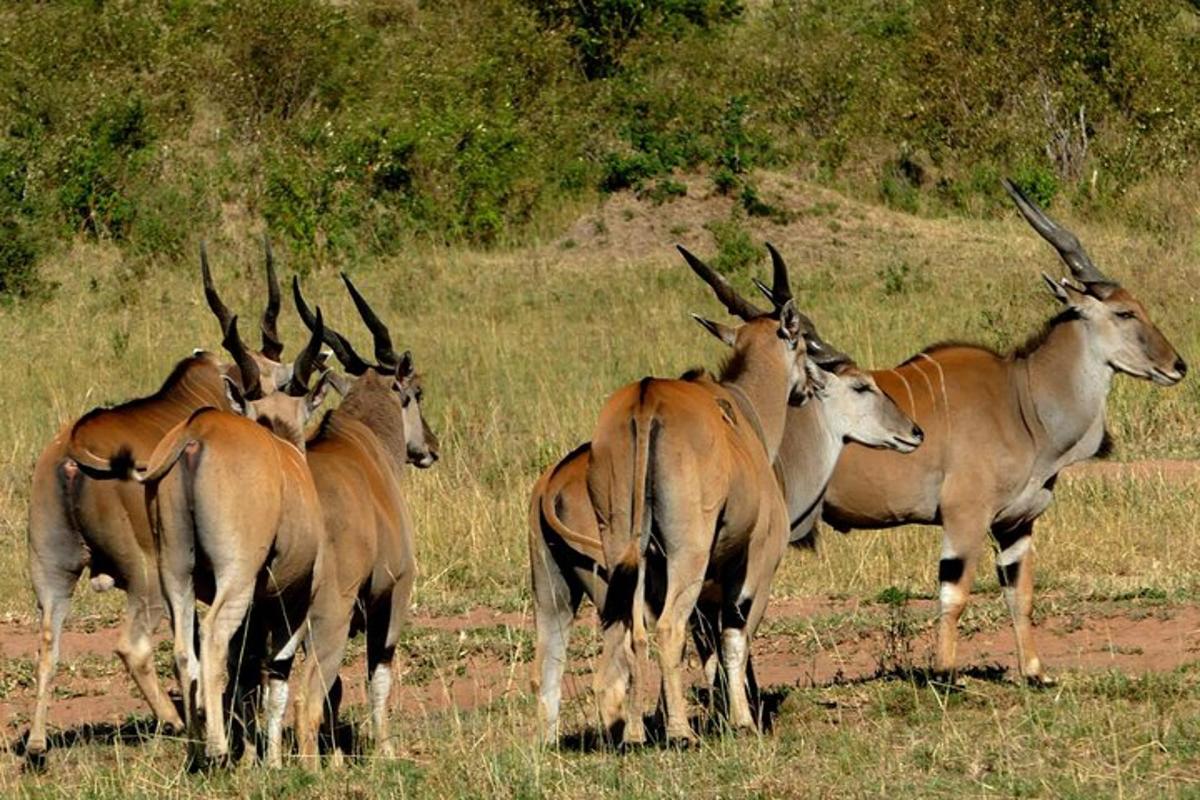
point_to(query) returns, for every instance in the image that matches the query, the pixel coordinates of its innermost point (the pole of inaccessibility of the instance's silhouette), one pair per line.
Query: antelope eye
(1126, 314)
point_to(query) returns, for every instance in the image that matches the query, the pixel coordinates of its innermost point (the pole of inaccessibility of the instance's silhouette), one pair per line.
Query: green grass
(518, 348)
(1094, 735)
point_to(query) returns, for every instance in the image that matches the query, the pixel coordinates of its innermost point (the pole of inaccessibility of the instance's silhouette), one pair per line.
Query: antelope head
(1119, 329)
(387, 393)
(266, 358)
(859, 410)
(777, 335)
(285, 412)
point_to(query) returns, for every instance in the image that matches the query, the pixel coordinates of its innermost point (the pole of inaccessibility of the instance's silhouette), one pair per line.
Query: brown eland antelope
(238, 524)
(566, 557)
(999, 429)
(82, 515)
(357, 460)
(680, 476)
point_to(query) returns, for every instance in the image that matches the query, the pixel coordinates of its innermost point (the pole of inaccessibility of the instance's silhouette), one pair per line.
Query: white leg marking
(1014, 552)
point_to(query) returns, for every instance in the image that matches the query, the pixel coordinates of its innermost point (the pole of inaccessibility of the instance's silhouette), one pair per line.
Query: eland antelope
(357, 460)
(238, 524)
(999, 429)
(81, 514)
(566, 557)
(681, 480)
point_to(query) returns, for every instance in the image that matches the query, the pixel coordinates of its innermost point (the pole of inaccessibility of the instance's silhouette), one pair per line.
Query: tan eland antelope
(999, 429)
(357, 460)
(680, 476)
(81, 514)
(238, 525)
(566, 556)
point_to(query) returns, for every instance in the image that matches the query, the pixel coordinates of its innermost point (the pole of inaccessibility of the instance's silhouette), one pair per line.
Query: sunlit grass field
(519, 348)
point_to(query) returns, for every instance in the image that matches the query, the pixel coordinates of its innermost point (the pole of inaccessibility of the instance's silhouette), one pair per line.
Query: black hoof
(625, 748)
(682, 743)
(35, 760)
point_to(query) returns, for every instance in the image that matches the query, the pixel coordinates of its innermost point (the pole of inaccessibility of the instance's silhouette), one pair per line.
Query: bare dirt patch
(805, 642)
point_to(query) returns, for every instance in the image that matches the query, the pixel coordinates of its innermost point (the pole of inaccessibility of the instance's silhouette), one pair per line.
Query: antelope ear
(725, 333)
(791, 327)
(316, 395)
(404, 368)
(338, 381)
(233, 393)
(1060, 294)
(816, 376)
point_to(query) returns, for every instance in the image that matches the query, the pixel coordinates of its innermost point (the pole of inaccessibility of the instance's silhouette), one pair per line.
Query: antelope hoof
(678, 741)
(631, 746)
(35, 757)
(1040, 681)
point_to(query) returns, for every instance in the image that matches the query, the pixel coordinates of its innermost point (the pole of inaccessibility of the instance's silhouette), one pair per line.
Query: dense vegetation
(352, 128)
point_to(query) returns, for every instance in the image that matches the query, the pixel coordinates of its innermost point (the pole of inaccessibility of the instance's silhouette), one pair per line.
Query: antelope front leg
(1014, 569)
(962, 538)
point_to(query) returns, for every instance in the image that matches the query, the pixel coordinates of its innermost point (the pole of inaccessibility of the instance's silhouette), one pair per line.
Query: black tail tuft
(122, 463)
(618, 603)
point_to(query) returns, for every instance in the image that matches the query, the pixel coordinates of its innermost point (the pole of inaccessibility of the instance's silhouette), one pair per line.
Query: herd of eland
(673, 517)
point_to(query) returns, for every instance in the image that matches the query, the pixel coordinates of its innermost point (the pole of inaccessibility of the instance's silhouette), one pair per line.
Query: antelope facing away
(238, 523)
(357, 460)
(999, 428)
(82, 513)
(680, 476)
(566, 557)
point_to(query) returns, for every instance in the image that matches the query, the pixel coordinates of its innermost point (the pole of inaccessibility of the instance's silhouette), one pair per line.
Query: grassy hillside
(354, 129)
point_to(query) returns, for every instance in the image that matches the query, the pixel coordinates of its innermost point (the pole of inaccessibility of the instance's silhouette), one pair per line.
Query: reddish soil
(92, 688)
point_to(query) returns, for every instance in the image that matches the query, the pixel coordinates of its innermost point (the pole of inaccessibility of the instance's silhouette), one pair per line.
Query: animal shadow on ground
(709, 722)
(134, 731)
(924, 676)
(767, 704)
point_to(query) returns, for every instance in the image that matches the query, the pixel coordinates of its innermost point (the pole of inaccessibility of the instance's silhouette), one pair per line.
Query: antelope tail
(627, 586)
(118, 467)
(160, 466)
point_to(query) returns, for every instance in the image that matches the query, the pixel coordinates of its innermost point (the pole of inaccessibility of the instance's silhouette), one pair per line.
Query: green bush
(355, 127)
(99, 168)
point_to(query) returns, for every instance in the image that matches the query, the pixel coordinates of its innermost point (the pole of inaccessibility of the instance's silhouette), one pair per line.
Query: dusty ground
(806, 642)
(481, 656)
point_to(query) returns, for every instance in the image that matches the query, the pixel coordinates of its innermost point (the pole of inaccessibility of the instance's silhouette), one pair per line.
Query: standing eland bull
(238, 525)
(999, 429)
(357, 460)
(680, 476)
(566, 557)
(83, 514)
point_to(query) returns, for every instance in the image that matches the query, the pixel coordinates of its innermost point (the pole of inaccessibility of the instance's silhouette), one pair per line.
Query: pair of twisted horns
(272, 346)
(1066, 243)
(302, 367)
(779, 293)
(386, 359)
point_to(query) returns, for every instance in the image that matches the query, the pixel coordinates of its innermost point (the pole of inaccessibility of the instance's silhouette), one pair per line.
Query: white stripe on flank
(912, 403)
(945, 396)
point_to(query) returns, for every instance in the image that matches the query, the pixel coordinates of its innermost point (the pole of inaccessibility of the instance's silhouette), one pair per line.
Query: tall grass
(520, 347)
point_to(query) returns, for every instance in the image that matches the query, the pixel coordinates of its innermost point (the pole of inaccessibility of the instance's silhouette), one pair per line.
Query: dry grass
(519, 348)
